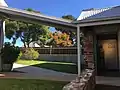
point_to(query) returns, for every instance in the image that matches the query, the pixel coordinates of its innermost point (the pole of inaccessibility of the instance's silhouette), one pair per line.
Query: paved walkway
(30, 72)
(114, 81)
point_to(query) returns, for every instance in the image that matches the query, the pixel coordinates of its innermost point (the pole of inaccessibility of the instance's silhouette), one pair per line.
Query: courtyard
(95, 34)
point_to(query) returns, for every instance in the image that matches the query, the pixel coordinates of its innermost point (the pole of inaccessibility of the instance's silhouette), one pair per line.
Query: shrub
(30, 54)
(20, 55)
(9, 53)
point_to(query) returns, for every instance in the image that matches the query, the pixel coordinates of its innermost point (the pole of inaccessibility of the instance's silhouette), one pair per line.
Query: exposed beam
(37, 21)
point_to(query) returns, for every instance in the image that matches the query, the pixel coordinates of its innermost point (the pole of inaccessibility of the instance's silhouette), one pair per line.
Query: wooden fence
(61, 50)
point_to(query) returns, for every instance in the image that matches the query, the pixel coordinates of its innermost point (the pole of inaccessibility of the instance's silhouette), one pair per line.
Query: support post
(79, 50)
(2, 31)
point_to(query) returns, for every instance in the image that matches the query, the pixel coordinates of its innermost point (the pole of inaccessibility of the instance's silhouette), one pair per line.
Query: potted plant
(9, 54)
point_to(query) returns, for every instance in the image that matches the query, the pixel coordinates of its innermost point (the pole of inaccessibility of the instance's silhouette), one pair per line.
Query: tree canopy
(69, 17)
(70, 33)
(27, 32)
(59, 39)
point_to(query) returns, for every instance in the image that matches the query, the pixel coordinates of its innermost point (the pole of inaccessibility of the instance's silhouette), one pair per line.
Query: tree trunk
(24, 45)
(28, 45)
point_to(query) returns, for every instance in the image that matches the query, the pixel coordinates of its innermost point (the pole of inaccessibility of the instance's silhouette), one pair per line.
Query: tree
(27, 32)
(69, 17)
(59, 39)
(70, 33)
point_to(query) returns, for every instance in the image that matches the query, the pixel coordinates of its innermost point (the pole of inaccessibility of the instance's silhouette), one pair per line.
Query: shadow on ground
(107, 87)
(58, 67)
(109, 73)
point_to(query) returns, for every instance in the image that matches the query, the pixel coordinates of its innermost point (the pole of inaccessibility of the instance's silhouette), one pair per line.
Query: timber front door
(107, 54)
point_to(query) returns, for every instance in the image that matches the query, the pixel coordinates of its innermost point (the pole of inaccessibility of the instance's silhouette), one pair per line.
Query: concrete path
(31, 72)
(114, 81)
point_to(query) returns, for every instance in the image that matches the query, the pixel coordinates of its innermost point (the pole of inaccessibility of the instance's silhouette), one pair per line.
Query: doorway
(107, 53)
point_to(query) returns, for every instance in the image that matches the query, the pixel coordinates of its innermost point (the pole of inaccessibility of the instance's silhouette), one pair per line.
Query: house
(101, 29)
(33, 44)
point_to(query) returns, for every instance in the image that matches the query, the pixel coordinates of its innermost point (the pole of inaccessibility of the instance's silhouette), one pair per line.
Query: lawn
(56, 66)
(21, 84)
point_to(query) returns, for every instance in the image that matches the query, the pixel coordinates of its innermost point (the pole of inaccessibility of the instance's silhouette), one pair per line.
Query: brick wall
(88, 50)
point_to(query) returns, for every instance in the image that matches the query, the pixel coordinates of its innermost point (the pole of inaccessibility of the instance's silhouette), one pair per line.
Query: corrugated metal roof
(99, 13)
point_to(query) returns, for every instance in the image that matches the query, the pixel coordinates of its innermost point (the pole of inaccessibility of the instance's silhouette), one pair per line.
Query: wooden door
(110, 53)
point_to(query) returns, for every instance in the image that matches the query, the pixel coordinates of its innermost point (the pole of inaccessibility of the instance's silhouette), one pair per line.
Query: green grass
(21, 84)
(57, 66)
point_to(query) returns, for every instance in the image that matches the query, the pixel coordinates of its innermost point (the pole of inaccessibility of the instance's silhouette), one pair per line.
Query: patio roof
(87, 17)
(26, 16)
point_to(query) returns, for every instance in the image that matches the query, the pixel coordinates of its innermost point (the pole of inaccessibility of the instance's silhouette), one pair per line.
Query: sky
(59, 8)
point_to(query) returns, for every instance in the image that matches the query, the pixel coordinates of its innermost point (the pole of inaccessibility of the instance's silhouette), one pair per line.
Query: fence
(60, 50)
(65, 54)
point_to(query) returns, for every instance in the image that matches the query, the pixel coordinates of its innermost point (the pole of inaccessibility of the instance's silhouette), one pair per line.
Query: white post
(2, 31)
(79, 50)
(50, 49)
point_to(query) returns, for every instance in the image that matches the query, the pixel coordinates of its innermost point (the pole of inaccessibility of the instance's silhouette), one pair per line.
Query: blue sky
(59, 8)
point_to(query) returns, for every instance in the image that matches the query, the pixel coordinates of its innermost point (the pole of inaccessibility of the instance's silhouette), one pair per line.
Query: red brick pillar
(88, 50)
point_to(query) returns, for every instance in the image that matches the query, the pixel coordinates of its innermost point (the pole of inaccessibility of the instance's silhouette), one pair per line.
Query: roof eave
(25, 15)
(98, 21)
